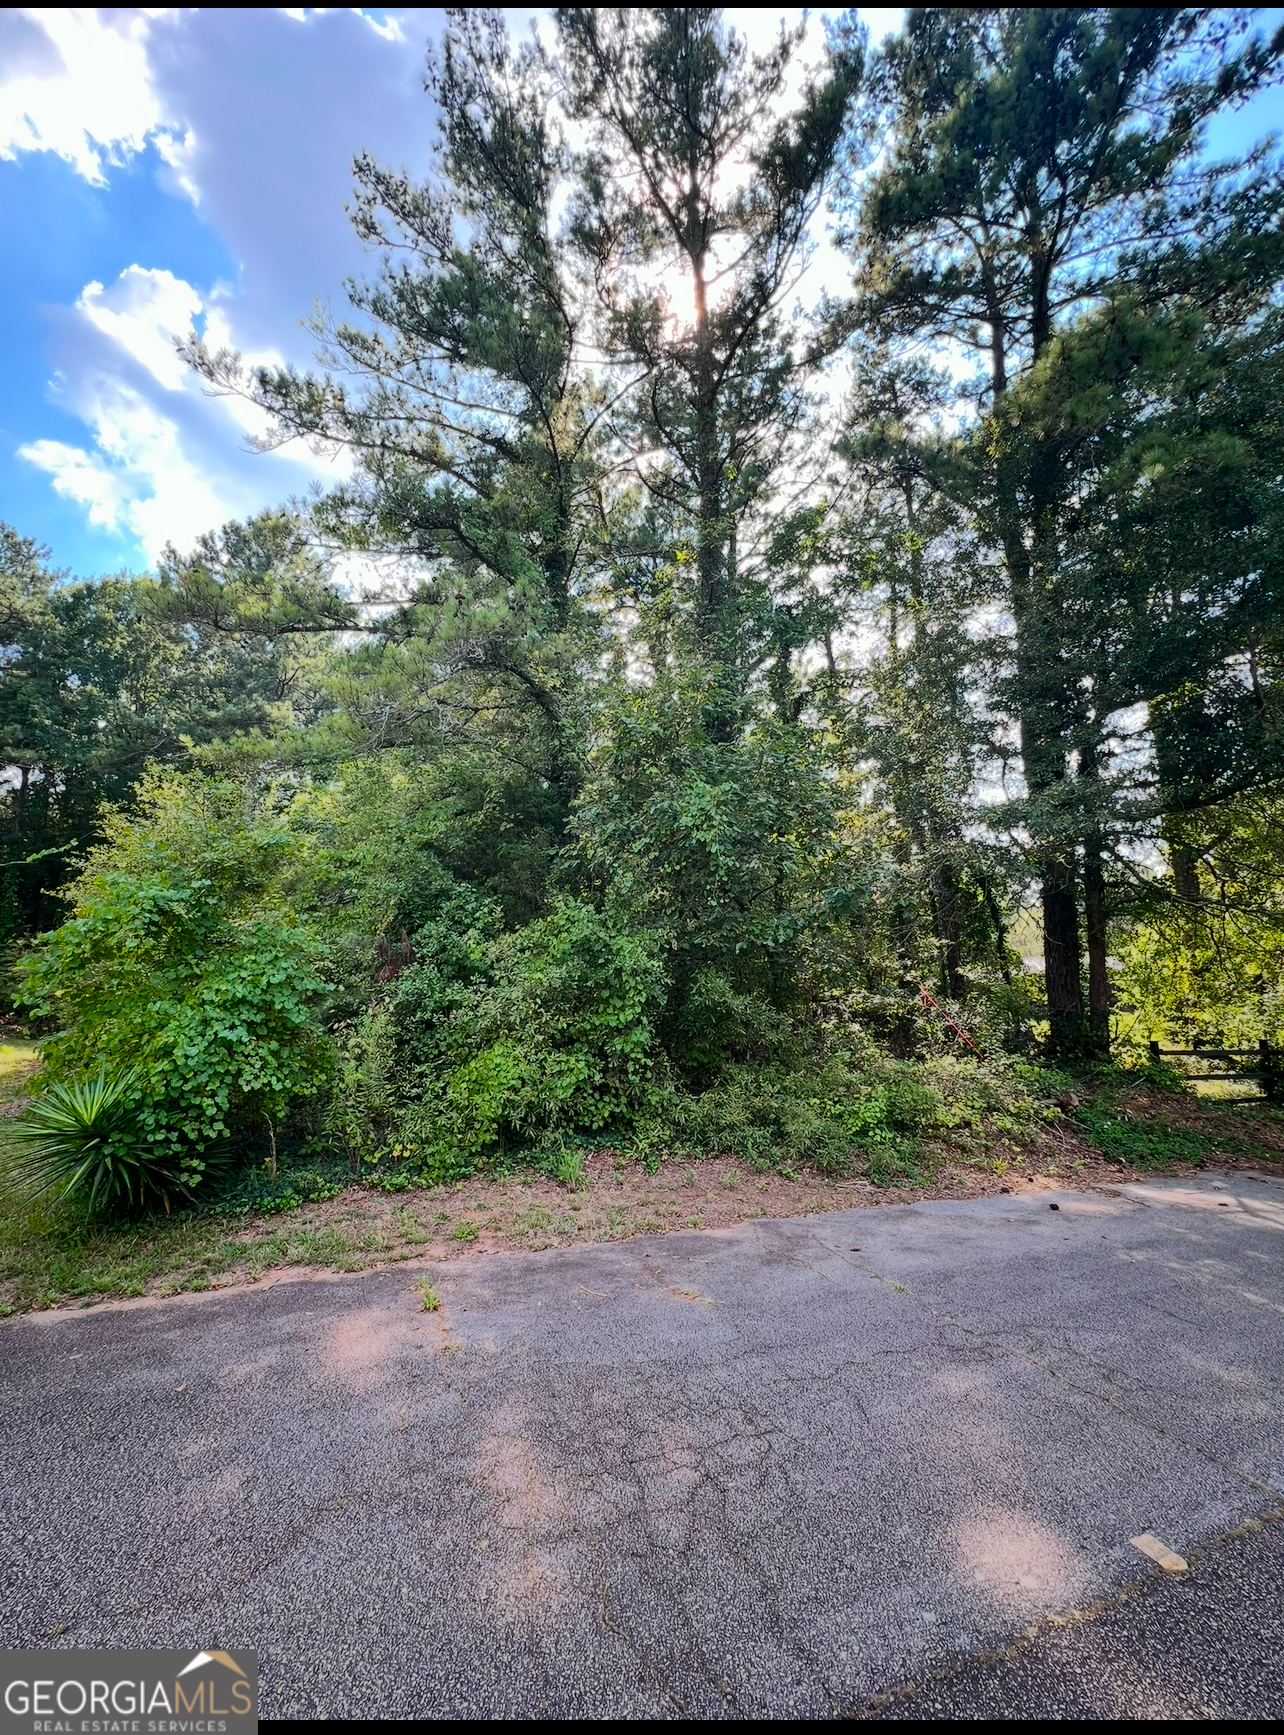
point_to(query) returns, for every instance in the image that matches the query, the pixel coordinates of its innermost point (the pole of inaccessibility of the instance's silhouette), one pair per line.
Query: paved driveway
(770, 1470)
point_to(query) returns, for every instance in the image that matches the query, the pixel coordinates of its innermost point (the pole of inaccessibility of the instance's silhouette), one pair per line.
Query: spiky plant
(82, 1140)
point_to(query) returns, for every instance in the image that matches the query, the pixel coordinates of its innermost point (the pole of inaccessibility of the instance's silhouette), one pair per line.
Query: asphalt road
(783, 1469)
(1209, 1643)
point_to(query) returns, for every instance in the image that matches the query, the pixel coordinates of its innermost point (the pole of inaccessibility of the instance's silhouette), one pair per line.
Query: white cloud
(79, 477)
(157, 471)
(80, 85)
(138, 481)
(256, 117)
(144, 311)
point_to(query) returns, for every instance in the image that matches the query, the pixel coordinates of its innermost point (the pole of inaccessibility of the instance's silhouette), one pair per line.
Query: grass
(1142, 1120)
(50, 1255)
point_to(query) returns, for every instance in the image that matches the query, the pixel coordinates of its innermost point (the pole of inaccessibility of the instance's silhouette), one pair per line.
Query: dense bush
(179, 967)
(520, 1035)
(849, 1108)
(734, 857)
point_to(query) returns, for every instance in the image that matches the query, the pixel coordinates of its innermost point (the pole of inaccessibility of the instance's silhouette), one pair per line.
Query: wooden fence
(1268, 1070)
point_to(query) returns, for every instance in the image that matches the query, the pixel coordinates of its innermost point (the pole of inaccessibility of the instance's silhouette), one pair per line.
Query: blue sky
(161, 169)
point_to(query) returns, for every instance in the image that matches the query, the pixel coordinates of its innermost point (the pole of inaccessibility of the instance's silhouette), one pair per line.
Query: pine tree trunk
(1040, 683)
(1094, 910)
(1062, 959)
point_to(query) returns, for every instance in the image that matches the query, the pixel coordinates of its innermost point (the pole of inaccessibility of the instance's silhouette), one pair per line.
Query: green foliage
(1141, 1144)
(731, 855)
(99, 678)
(1203, 960)
(1041, 198)
(82, 1140)
(564, 1160)
(849, 1109)
(362, 1107)
(177, 964)
(527, 1033)
(651, 796)
(300, 1182)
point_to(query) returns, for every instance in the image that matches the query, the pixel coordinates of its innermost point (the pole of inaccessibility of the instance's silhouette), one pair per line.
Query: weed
(1141, 1144)
(429, 1300)
(408, 1226)
(465, 1232)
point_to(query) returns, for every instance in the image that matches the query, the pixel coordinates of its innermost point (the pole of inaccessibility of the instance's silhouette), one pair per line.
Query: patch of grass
(1141, 1118)
(565, 1162)
(898, 1163)
(1141, 1144)
(465, 1232)
(408, 1226)
(429, 1300)
(18, 1060)
(534, 1220)
(50, 1254)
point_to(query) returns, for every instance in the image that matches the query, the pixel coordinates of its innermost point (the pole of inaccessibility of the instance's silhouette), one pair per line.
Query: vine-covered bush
(520, 1034)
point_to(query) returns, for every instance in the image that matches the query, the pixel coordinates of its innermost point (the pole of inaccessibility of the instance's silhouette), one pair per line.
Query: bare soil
(617, 1200)
(362, 1227)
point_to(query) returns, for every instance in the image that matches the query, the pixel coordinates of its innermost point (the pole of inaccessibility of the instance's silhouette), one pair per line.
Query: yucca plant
(82, 1140)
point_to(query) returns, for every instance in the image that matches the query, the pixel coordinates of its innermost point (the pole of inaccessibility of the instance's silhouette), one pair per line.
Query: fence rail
(1268, 1072)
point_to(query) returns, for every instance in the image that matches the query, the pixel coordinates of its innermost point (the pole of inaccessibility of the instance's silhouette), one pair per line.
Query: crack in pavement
(642, 1508)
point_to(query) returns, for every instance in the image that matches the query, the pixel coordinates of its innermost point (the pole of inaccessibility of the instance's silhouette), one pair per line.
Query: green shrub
(831, 1114)
(181, 965)
(82, 1140)
(546, 1029)
(733, 855)
(845, 1109)
(362, 1110)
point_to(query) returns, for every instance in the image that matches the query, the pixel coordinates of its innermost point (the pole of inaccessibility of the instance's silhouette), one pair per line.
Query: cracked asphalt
(785, 1469)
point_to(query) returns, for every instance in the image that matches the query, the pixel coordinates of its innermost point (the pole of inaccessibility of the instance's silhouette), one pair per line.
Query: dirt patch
(361, 1229)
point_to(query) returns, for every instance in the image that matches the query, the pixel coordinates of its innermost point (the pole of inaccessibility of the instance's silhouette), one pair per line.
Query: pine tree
(695, 185)
(1037, 162)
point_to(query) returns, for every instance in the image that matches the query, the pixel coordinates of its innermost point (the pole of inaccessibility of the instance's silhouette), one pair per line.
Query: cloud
(143, 312)
(78, 84)
(138, 481)
(162, 465)
(255, 117)
(243, 123)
